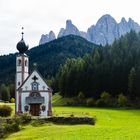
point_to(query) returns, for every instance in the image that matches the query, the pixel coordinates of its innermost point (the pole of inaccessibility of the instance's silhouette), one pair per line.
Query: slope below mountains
(48, 56)
(104, 32)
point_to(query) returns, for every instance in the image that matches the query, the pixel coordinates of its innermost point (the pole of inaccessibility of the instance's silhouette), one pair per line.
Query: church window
(26, 108)
(43, 108)
(19, 62)
(18, 83)
(25, 62)
(43, 87)
(34, 86)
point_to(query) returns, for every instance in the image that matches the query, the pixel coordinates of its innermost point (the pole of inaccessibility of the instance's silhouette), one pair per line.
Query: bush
(5, 111)
(71, 120)
(12, 127)
(90, 102)
(2, 129)
(81, 95)
(37, 122)
(100, 103)
(25, 118)
(80, 100)
(105, 100)
(12, 100)
(105, 96)
(9, 125)
(122, 100)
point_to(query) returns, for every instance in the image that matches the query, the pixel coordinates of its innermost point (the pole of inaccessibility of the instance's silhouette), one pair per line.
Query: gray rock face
(107, 30)
(133, 25)
(104, 32)
(70, 29)
(47, 38)
(123, 27)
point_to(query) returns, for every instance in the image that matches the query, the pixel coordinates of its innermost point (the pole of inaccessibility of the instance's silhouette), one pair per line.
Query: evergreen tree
(131, 82)
(5, 94)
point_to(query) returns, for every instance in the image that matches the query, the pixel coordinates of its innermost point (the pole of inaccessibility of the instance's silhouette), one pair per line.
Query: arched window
(25, 62)
(19, 62)
(18, 83)
(34, 86)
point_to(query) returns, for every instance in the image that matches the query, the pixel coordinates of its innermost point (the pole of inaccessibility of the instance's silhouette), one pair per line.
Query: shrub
(80, 100)
(122, 100)
(81, 95)
(9, 125)
(5, 111)
(105, 100)
(25, 118)
(38, 122)
(90, 102)
(105, 96)
(100, 103)
(12, 100)
(71, 120)
(12, 127)
(2, 129)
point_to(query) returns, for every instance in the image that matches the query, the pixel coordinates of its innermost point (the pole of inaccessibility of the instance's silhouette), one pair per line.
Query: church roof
(34, 76)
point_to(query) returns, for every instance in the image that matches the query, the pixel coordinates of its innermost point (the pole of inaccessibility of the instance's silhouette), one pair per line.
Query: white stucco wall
(46, 103)
(27, 88)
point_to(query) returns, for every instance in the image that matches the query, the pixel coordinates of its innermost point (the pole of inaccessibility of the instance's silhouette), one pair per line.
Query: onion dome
(21, 46)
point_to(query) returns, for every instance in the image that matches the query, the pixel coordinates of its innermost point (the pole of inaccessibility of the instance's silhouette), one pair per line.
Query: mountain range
(104, 32)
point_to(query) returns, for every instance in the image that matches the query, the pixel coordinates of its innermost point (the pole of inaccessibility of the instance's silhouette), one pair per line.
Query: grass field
(111, 124)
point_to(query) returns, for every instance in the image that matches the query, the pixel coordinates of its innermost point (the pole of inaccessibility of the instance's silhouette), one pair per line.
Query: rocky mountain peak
(123, 20)
(105, 31)
(106, 19)
(52, 35)
(70, 29)
(47, 38)
(68, 23)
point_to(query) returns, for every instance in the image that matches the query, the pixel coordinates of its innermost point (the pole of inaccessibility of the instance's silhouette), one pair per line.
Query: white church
(33, 95)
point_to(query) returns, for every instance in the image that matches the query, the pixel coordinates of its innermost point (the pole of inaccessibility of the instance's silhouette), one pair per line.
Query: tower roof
(21, 46)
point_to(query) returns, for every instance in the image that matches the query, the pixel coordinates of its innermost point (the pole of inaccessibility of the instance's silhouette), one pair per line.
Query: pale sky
(40, 16)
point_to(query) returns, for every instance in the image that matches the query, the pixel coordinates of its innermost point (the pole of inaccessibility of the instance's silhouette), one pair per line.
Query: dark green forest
(114, 69)
(48, 57)
(77, 68)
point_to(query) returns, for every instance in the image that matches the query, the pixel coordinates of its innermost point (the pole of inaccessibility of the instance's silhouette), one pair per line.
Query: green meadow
(111, 124)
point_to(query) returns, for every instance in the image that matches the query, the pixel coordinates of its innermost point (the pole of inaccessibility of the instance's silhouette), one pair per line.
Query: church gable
(34, 82)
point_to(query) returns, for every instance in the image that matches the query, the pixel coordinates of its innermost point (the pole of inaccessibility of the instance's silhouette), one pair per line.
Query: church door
(35, 109)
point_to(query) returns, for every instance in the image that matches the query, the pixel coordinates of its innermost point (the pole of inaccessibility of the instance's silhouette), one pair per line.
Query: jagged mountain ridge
(47, 38)
(104, 32)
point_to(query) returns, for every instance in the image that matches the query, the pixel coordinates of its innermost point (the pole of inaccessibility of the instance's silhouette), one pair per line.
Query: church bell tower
(22, 67)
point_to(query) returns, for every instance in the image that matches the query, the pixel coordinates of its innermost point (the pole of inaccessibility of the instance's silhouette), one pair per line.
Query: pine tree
(131, 82)
(5, 94)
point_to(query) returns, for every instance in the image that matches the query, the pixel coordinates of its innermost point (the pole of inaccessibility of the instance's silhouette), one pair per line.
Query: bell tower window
(25, 62)
(18, 83)
(19, 62)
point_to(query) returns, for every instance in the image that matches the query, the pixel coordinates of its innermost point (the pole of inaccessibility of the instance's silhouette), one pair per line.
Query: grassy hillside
(112, 124)
(58, 100)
